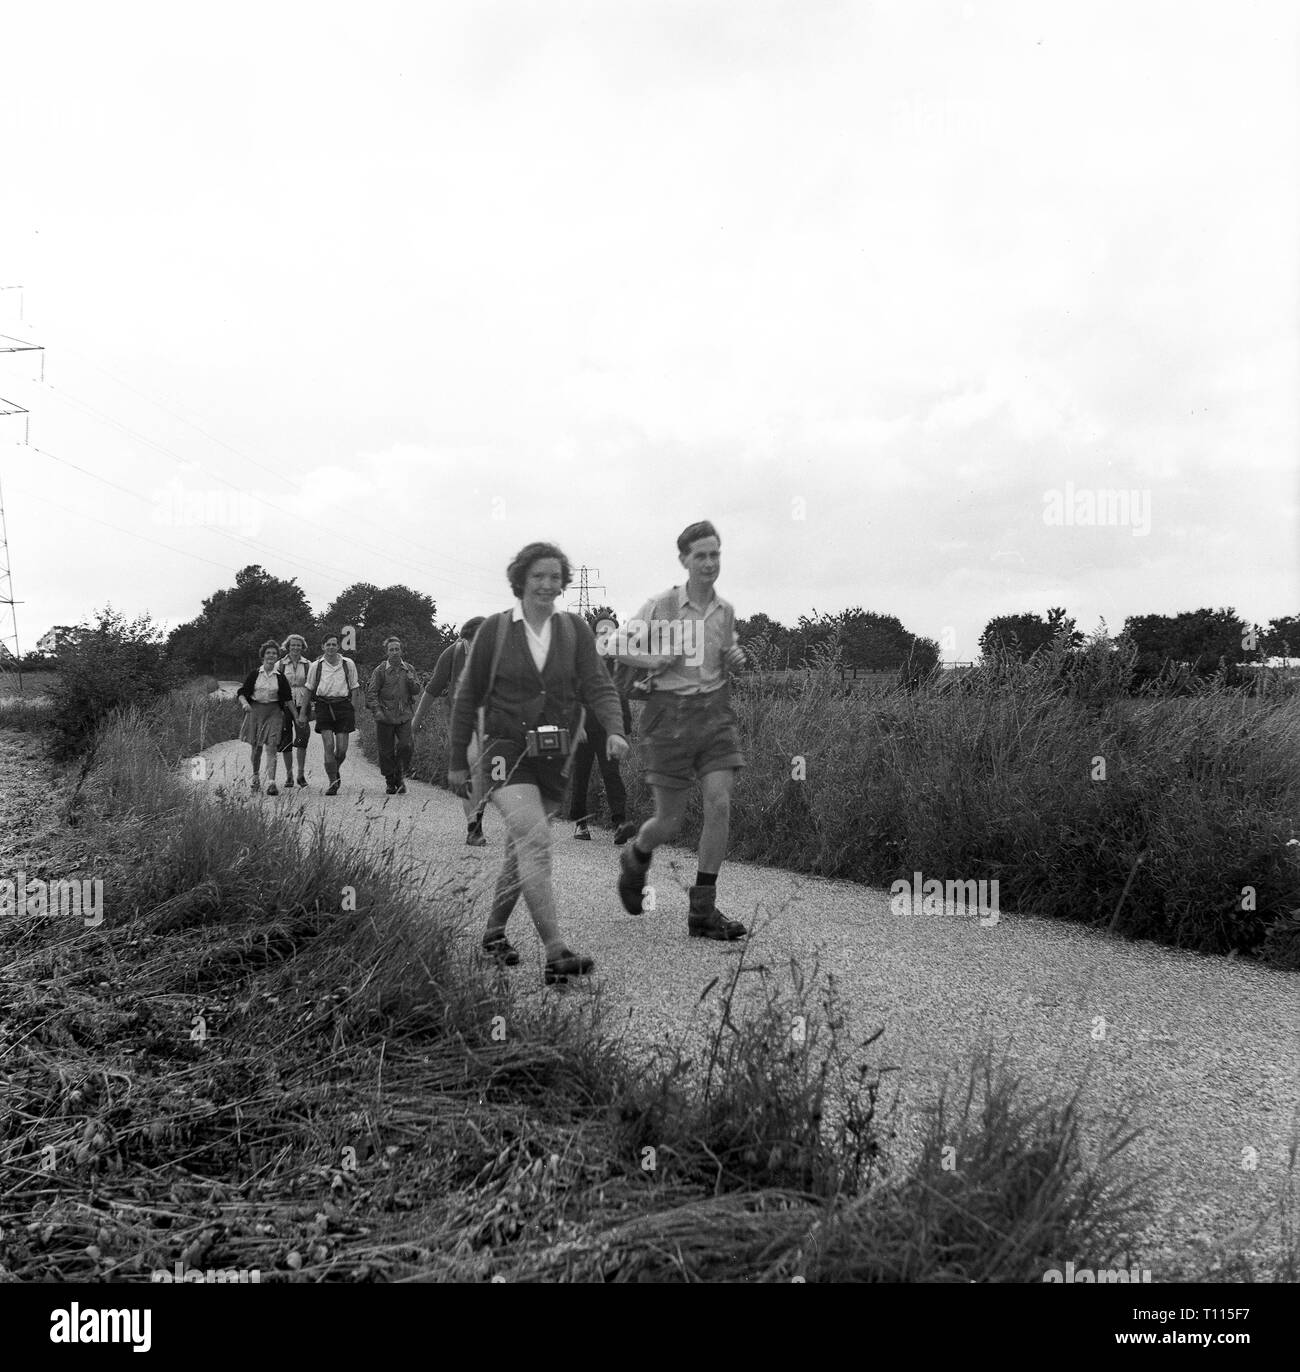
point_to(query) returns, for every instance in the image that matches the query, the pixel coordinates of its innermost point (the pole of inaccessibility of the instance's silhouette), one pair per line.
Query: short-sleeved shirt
(296, 677)
(266, 687)
(717, 629)
(334, 683)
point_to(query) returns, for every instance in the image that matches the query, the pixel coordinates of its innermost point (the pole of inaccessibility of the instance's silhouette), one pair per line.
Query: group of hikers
(537, 693)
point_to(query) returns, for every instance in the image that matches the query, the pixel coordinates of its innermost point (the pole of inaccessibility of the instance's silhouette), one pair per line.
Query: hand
(245, 704)
(735, 658)
(458, 781)
(616, 747)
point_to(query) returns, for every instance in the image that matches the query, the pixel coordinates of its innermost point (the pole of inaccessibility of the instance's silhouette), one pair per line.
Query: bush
(113, 663)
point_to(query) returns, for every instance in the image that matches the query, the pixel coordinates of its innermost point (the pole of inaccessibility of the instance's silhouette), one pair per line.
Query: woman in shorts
(294, 665)
(264, 696)
(531, 670)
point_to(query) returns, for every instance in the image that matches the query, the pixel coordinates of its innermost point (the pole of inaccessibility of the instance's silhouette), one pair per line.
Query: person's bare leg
(506, 893)
(528, 828)
(327, 743)
(256, 759)
(715, 795)
(341, 742)
(662, 826)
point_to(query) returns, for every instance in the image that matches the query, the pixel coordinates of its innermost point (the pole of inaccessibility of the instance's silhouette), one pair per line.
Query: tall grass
(1173, 818)
(350, 1110)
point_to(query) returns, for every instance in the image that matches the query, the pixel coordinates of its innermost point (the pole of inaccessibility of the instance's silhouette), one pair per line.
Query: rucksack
(349, 676)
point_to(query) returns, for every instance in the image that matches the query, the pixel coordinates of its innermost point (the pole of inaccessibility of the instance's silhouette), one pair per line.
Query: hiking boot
(500, 949)
(631, 880)
(302, 781)
(624, 831)
(390, 789)
(580, 830)
(707, 921)
(474, 835)
(333, 788)
(401, 788)
(559, 969)
(272, 789)
(256, 783)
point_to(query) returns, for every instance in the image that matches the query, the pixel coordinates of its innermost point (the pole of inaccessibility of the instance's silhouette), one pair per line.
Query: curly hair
(284, 647)
(270, 643)
(517, 571)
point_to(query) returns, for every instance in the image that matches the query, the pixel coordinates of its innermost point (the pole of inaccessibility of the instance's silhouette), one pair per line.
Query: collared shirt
(296, 677)
(332, 683)
(266, 688)
(539, 644)
(701, 633)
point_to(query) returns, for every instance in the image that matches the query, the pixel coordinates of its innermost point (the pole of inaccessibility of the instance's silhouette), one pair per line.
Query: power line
(350, 538)
(293, 485)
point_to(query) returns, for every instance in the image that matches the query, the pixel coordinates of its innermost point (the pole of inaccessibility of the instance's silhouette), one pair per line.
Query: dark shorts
(505, 763)
(686, 737)
(335, 717)
(295, 735)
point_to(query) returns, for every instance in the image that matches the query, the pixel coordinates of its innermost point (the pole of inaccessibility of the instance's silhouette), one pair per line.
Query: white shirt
(539, 644)
(266, 688)
(333, 681)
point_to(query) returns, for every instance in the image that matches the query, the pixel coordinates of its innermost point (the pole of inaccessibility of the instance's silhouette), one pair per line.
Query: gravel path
(1205, 1052)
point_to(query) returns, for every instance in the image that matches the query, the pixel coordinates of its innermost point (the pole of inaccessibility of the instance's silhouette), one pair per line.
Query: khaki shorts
(686, 737)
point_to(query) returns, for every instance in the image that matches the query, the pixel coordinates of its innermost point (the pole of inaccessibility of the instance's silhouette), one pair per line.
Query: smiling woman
(530, 673)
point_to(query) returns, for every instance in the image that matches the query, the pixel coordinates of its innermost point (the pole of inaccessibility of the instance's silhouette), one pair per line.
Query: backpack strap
(503, 628)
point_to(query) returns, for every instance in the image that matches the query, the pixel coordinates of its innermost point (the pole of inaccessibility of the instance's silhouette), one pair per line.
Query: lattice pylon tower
(8, 640)
(10, 648)
(585, 587)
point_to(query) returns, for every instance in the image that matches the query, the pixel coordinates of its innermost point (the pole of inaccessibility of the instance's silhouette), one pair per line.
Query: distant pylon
(9, 644)
(7, 600)
(586, 586)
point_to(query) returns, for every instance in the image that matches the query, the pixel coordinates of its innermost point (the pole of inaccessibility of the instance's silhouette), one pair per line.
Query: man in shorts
(685, 637)
(332, 688)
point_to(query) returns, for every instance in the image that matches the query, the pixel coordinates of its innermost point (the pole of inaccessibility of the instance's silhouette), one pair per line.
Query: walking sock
(641, 857)
(706, 878)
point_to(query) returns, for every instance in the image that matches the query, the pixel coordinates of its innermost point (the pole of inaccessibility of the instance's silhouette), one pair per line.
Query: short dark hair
(471, 627)
(702, 528)
(270, 643)
(329, 636)
(517, 571)
(392, 638)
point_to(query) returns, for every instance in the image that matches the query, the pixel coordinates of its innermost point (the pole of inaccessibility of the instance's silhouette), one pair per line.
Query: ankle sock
(706, 878)
(642, 858)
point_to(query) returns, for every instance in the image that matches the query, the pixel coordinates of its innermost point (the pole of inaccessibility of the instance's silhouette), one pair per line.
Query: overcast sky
(439, 279)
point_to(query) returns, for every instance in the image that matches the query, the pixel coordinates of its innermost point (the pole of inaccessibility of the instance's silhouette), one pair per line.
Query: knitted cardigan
(523, 698)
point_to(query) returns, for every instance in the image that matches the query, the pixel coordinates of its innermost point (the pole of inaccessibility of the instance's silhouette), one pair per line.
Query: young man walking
(685, 637)
(332, 689)
(390, 696)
